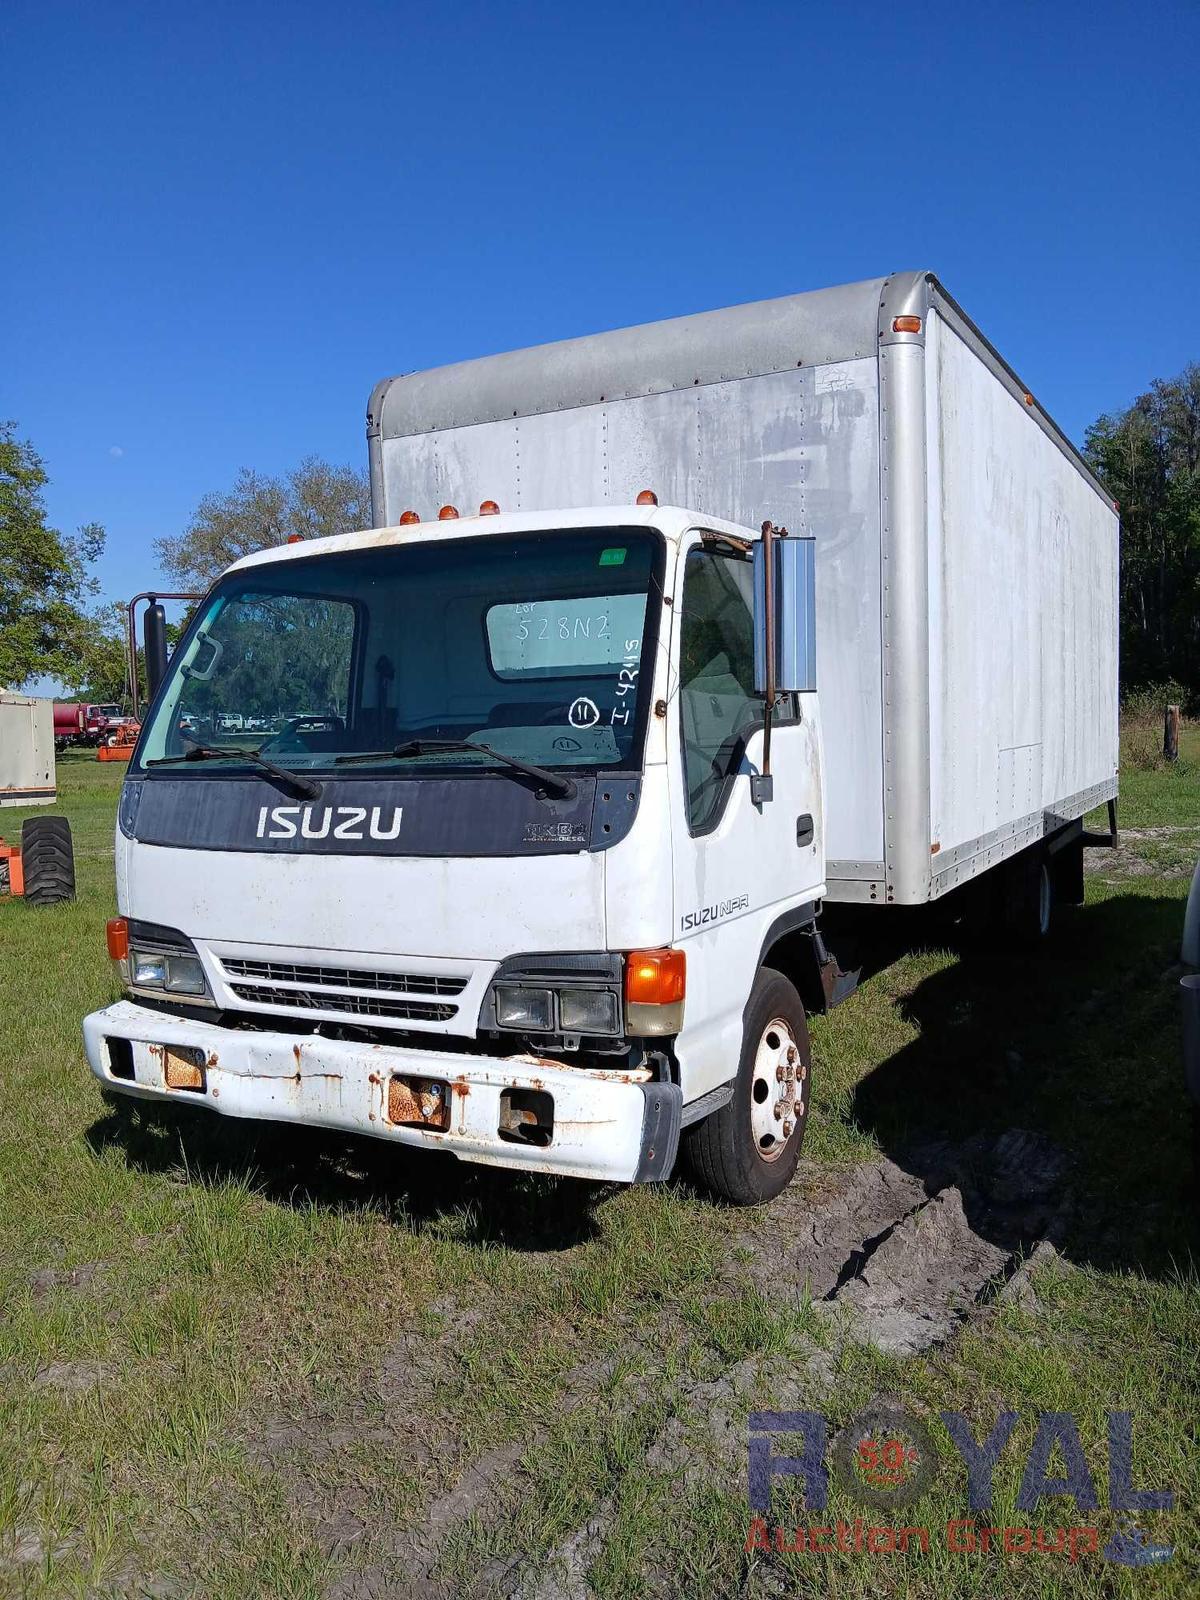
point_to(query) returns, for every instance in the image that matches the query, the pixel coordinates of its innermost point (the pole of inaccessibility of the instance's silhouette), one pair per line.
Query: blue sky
(224, 222)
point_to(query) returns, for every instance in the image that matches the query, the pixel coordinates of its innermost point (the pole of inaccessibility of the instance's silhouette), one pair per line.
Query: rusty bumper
(604, 1125)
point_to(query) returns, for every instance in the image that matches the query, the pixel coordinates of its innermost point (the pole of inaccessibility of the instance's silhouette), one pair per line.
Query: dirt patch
(1165, 852)
(26, 1547)
(902, 1255)
(47, 1279)
(72, 1377)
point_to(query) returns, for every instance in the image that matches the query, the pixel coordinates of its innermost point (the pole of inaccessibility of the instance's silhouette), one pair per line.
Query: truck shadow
(1047, 1086)
(297, 1166)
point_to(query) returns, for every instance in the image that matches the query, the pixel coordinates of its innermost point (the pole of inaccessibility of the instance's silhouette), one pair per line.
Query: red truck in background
(83, 723)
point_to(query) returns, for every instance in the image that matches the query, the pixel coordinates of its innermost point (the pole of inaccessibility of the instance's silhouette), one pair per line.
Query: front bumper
(607, 1124)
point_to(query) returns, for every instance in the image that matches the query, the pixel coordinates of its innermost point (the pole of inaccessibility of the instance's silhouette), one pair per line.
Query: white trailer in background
(26, 751)
(533, 870)
(42, 868)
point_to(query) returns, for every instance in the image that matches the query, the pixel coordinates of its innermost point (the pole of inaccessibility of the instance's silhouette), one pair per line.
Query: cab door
(738, 867)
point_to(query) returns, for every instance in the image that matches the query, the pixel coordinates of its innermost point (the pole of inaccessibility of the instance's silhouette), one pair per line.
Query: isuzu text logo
(691, 920)
(312, 822)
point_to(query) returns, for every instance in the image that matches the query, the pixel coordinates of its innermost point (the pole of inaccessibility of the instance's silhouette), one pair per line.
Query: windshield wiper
(554, 781)
(205, 752)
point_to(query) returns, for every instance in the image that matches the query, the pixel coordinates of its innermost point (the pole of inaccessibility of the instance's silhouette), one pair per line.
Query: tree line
(51, 624)
(1148, 458)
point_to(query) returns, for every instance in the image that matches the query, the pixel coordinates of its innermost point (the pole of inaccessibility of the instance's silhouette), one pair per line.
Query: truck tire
(48, 860)
(742, 1153)
(1028, 896)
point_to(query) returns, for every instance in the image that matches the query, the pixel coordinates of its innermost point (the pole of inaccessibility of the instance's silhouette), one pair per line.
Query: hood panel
(480, 909)
(471, 814)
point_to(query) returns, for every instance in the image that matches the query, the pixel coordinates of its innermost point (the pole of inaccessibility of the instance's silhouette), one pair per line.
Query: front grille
(345, 977)
(356, 1005)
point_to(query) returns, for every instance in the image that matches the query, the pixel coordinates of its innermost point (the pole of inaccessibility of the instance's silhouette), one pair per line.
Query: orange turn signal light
(655, 977)
(295, 538)
(647, 498)
(447, 513)
(407, 518)
(116, 933)
(906, 324)
(489, 508)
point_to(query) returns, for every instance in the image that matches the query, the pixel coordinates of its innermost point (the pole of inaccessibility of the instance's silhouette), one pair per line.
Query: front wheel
(747, 1152)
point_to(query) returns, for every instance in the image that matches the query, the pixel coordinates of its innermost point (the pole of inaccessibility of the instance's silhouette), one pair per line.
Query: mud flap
(662, 1117)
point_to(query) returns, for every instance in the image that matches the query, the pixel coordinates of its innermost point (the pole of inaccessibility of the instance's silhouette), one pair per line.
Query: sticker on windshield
(612, 558)
(584, 713)
(571, 636)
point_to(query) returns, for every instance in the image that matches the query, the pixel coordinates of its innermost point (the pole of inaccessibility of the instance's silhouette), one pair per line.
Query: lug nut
(792, 1053)
(779, 1074)
(798, 1108)
(787, 1130)
(778, 1112)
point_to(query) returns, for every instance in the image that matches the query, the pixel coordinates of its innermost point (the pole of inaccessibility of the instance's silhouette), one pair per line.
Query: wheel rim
(778, 1088)
(1044, 899)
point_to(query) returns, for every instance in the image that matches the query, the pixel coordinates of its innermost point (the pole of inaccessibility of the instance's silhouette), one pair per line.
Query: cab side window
(718, 705)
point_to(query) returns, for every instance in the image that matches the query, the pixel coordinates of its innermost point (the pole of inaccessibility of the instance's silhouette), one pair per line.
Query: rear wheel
(47, 860)
(1028, 896)
(747, 1152)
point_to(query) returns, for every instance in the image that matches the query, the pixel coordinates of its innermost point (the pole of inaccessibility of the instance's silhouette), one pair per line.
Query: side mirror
(785, 614)
(785, 639)
(155, 634)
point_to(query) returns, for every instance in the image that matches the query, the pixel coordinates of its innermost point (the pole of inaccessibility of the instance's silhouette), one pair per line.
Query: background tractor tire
(48, 860)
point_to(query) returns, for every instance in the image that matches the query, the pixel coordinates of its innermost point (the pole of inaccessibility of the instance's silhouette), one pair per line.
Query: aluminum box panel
(800, 446)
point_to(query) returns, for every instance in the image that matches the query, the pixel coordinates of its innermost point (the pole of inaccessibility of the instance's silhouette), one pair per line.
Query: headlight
(148, 968)
(185, 975)
(587, 1011)
(525, 1008)
(154, 969)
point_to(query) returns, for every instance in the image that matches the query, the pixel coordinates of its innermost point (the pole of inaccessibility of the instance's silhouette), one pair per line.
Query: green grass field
(243, 1361)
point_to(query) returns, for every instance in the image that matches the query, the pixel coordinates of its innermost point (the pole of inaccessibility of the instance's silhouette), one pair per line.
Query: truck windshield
(539, 645)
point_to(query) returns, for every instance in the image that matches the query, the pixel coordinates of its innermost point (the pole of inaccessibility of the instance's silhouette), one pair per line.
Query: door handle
(804, 829)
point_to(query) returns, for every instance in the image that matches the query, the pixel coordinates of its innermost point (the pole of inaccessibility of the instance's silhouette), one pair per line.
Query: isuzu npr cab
(526, 857)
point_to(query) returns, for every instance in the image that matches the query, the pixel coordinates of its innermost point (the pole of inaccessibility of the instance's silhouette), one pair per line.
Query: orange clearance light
(655, 981)
(295, 538)
(489, 508)
(116, 933)
(407, 518)
(906, 324)
(447, 513)
(655, 977)
(1028, 399)
(647, 498)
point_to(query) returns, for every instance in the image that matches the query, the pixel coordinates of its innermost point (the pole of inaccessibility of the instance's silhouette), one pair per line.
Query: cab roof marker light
(647, 498)
(408, 518)
(447, 513)
(489, 508)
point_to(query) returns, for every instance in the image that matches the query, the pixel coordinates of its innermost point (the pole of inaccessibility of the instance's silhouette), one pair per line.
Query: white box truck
(530, 865)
